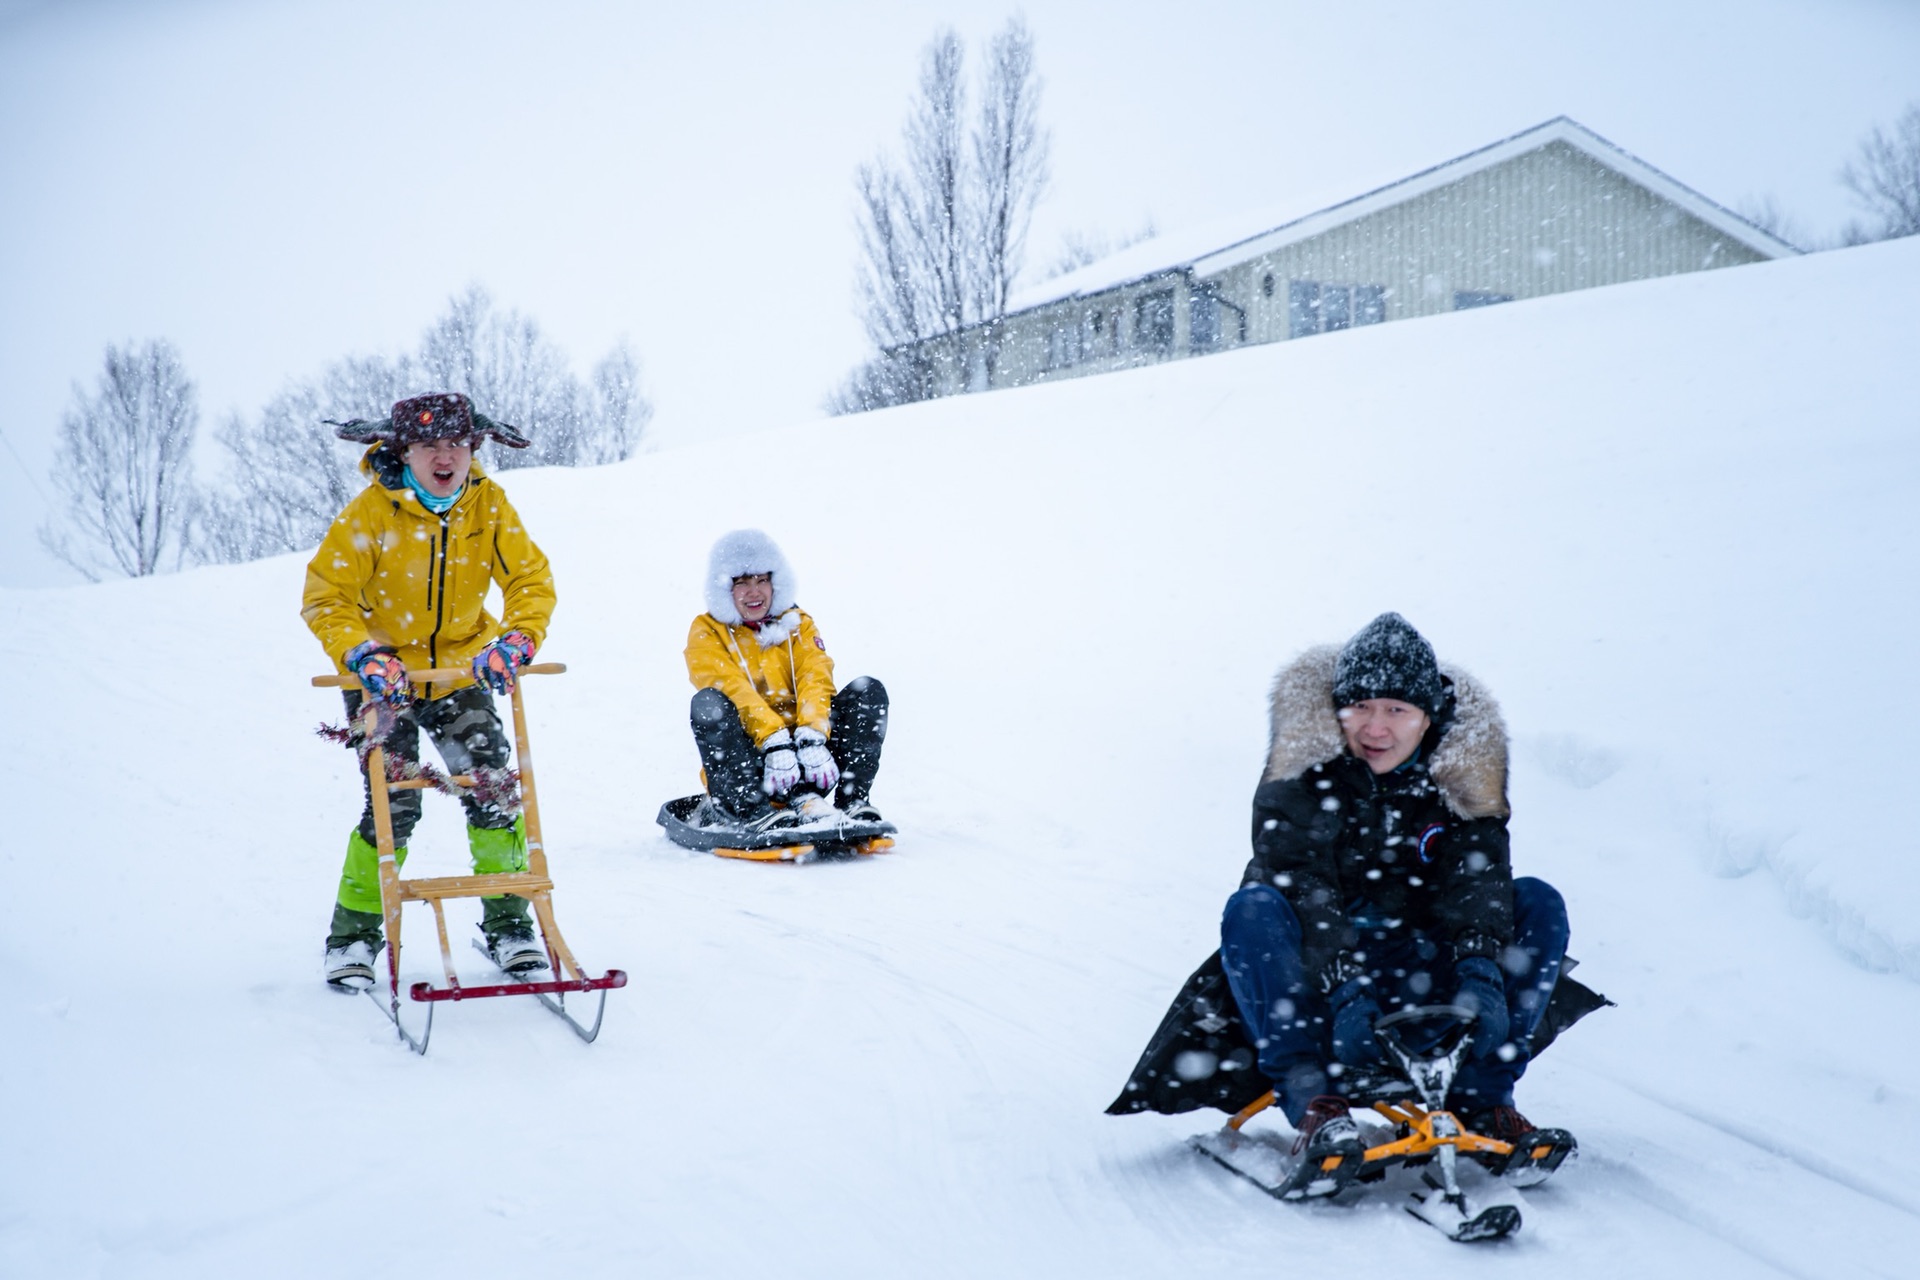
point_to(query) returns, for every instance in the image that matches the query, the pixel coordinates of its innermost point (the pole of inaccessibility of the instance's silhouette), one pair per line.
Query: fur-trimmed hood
(751, 551)
(1469, 765)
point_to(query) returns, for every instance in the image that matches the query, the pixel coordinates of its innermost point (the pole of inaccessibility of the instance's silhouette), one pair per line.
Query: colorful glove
(816, 762)
(497, 664)
(1481, 993)
(1354, 1013)
(781, 767)
(380, 672)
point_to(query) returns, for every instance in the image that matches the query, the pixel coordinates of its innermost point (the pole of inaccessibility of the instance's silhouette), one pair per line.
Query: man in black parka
(1380, 879)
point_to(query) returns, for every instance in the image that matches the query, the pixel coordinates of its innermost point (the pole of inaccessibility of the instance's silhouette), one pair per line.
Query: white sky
(277, 183)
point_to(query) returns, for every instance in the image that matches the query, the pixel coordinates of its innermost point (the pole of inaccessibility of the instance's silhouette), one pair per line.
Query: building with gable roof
(1549, 210)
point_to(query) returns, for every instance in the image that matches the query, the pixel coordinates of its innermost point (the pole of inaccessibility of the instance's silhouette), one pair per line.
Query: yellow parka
(781, 685)
(391, 571)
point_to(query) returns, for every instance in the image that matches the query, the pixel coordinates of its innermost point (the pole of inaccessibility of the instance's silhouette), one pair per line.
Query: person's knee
(1262, 908)
(710, 707)
(403, 813)
(867, 689)
(1539, 909)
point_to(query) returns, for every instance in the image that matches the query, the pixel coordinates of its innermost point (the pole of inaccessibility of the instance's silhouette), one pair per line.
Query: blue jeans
(1291, 1025)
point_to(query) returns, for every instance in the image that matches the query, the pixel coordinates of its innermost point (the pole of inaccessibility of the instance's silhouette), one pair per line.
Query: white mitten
(816, 762)
(782, 767)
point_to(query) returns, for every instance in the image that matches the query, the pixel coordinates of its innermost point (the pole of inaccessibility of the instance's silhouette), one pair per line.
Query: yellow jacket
(391, 571)
(782, 685)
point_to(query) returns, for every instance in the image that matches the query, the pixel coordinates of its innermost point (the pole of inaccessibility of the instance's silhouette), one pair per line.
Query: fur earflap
(747, 551)
(1469, 766)
(438, 415)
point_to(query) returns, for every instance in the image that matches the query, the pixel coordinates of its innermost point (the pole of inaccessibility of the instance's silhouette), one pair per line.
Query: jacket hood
(1468, 765)
(746, 551)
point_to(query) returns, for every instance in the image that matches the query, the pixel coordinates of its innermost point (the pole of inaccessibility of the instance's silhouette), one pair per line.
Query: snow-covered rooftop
(1215, 245)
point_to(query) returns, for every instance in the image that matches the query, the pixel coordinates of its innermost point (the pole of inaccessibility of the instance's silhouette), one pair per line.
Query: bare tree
(911, 226)
(511, 372)
(1010, 160)
(1765, 213)
(1885, 180)
(619, 411)
(942, 228)
(1080, 248)
(290, 474)
(929, 191)
(124, 464)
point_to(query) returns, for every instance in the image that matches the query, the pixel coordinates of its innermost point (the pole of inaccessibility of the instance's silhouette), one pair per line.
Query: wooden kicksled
(534, 884)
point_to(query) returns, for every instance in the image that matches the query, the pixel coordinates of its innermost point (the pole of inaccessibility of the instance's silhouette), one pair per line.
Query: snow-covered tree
(1885, 180)
(1010, 158)
(124, 464)
(1080, 248)
(511, 372)
(619, 412)
(942, 225)
(289, 475)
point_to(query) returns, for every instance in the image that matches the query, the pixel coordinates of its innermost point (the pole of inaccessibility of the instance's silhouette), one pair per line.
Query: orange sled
(681, 820)
(1422, 1132)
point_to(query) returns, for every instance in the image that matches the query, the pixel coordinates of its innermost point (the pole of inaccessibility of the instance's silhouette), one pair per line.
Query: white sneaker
(814, 808)
(350, 968)
(518, 956)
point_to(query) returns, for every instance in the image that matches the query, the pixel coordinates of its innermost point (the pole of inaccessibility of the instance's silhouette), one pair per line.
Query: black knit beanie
(1389, 659)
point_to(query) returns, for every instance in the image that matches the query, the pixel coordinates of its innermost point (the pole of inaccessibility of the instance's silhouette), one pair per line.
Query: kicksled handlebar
(434, 675)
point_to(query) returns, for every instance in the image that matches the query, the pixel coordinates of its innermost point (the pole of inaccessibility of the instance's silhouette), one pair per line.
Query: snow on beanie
(1389, 659)
(742, 552)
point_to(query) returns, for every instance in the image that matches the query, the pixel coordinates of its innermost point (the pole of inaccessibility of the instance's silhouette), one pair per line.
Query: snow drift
(1669, 524)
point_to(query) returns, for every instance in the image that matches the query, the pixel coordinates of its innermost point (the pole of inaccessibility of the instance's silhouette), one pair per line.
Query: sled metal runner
(534, 884)
(1424, 1134)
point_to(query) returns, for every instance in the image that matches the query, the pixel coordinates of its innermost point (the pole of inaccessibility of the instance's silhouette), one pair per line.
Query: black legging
(733, 765)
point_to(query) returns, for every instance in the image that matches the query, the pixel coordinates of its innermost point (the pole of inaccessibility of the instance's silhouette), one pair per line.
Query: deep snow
(1669, 524)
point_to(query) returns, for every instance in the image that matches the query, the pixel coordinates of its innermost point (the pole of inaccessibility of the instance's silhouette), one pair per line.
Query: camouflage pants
(465, 730)
(468, 734)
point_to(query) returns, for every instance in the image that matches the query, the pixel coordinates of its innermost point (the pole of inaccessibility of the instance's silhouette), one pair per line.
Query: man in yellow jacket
(768, 722)
(400, 581)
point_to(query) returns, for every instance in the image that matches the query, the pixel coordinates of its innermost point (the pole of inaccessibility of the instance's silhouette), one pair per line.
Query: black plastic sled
(680, 819)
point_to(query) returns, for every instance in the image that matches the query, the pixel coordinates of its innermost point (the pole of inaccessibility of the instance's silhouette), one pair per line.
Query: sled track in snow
(1766, 1143)
(1804, 1160)
(1631, 1181)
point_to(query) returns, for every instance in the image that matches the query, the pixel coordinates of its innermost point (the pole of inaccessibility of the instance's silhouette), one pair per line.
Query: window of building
(1203, 323)
(1066, 344)
(1313, 307)
(1468, 299)
(1153, 322)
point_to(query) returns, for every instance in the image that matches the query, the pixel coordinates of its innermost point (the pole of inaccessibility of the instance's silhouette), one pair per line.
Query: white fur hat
(740, 552)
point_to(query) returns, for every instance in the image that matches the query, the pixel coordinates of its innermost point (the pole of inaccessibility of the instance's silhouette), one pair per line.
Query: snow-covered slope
(1670, 524)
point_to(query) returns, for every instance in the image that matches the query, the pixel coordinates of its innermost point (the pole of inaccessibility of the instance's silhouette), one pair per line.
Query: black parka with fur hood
(1425, 847)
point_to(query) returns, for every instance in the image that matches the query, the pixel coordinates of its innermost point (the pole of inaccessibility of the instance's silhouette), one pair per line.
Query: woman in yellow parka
(768, 722)
(400, 581)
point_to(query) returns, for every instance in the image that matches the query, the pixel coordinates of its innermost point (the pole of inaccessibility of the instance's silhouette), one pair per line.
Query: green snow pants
(468, 734)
